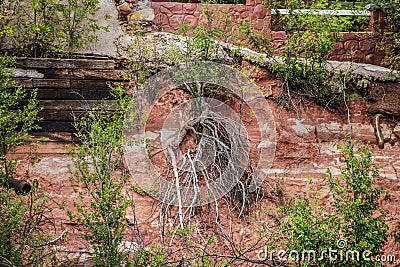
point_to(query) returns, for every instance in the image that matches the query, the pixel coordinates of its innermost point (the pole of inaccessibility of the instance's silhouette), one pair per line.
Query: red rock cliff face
(304, 149)
(305, 145)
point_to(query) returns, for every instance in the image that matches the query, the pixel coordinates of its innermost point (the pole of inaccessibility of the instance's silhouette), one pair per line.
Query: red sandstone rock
(244, 14)
(357, 56)
(349, 36)
(124, 9)
(164, 10)
(250, 2)
(239, 8)
(234, 16)
(197, 14)
(370, 59)
(351, 45)
(175, 8)
(191, 20)
(338, 48)
(259, 12)
(278, 43)
(396, 130)
(367, 46)
(258, 25)
(296, 151)
(167, 28)
(336, 57)
(155, 6)
(253, 2)
(161, 19)
(363, 132)
(278, 35)
(375, 59)
(190, 8)
(175, 21)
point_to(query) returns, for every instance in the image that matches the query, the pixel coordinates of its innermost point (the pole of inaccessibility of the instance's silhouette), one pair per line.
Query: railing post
(376, 21)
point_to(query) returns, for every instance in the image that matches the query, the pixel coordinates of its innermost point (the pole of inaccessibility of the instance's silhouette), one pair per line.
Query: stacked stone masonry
(168, 16)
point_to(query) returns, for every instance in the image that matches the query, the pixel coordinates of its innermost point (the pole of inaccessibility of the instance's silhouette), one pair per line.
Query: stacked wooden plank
(67, 88)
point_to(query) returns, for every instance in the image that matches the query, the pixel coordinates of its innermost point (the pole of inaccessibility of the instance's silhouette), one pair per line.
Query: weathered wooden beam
(61, 115)
(114, 75)
(56, 126)
(89, 84)
(72, 94)
(74, 105)
(44, 63)
(42, 83)
(54, 137)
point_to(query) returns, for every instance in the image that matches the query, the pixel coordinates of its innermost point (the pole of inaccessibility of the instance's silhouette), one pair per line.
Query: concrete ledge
(163, 41)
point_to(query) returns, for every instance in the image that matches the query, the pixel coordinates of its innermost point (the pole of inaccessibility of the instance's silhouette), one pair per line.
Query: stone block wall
(355, 47)
(169, 15)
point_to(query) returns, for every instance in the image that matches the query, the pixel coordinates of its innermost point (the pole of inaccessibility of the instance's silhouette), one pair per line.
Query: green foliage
(15, 121)
(42, 28)
(23, 240)
(302, 65)
(23, 234)
(202, 45)
(310, 228)
(101, 207)
(152, 257)
(390, 36)
(354, 218)
(77, 24)
(356, 200)
(34, 33)
(102, 177)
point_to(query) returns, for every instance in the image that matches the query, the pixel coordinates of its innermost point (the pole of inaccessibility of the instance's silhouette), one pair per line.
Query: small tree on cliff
(356, 223)
(355, 195)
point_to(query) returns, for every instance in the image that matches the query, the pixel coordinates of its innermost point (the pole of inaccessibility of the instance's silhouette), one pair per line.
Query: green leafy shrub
(24, 234)
(15, 121)
(24, 239)
(304, 69)
(389, 36)
(101, 206)
(103, 191)
(46, 28)
(355, 195)
(310, 228)
(77, 24)
(355, 219)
